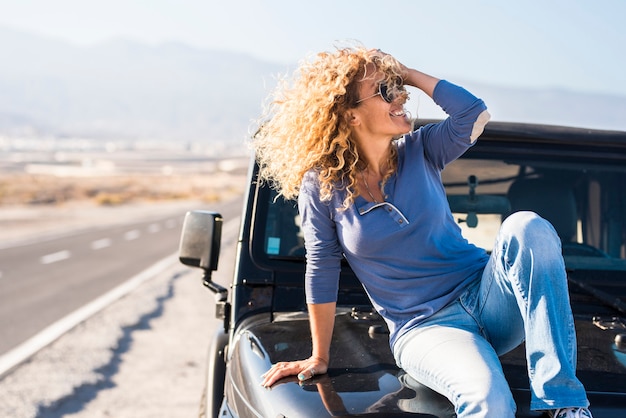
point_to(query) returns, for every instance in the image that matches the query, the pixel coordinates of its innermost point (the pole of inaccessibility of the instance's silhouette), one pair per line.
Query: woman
(333, 138)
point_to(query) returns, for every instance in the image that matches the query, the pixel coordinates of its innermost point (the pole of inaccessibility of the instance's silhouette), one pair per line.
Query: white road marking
(132, 234)
(25, 350)
(101, 243)
(152, 228)
(54, 257)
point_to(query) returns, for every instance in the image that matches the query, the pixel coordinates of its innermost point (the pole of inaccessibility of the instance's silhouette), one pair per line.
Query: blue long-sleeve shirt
(408, 252)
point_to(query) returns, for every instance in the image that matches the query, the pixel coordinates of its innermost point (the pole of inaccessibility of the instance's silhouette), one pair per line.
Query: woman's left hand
(304, 369)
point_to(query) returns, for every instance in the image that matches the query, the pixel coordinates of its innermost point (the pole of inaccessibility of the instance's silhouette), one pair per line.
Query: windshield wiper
(600, 295)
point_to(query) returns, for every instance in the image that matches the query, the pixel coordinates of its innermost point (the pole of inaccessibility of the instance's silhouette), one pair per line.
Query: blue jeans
(522, 295)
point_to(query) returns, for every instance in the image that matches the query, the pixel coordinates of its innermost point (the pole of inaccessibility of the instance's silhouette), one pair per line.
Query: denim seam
(475, 317)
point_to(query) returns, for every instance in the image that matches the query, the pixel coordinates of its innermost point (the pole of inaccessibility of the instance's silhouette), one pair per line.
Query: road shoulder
(143, 355)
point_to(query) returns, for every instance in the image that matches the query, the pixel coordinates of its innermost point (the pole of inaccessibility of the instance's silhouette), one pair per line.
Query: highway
(43, 282)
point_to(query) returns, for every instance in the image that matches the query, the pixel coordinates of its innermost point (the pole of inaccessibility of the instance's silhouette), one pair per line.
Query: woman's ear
(352, 118)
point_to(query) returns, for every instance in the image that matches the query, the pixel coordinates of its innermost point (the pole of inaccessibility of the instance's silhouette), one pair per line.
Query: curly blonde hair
(305, 127)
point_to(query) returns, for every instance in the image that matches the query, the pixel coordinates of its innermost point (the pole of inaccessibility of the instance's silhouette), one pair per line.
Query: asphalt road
(144, 354)
(44, 281)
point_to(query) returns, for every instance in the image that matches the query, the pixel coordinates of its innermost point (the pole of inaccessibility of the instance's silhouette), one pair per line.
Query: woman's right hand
(411, 76)
(304, 369)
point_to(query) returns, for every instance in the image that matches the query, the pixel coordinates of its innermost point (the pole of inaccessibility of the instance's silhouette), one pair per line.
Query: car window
(283, 236)
(586, 203)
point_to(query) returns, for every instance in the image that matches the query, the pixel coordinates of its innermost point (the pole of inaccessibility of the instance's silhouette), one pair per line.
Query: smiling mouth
(398, 113)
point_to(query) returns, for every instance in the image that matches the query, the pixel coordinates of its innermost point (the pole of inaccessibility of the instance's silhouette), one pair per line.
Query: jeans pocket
(470, 298)
(470, 302)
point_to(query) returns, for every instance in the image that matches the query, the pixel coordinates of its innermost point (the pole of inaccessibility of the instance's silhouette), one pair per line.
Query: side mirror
(200, 240)
(200, 246)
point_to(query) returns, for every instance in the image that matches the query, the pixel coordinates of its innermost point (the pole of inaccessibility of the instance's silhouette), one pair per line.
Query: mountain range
(127, 90)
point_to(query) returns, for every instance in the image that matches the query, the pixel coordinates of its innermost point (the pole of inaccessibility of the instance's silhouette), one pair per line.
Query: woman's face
(378, 117)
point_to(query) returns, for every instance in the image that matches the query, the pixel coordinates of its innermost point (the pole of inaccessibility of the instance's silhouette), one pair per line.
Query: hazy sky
(574, 44)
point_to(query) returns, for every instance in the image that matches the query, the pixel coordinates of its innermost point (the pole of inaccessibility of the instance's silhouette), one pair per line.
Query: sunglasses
(388, 94)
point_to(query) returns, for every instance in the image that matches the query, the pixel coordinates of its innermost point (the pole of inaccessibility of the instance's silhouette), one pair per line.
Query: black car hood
(368, 382)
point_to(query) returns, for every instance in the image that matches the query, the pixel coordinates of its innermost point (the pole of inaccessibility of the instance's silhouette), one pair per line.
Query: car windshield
(585, 203)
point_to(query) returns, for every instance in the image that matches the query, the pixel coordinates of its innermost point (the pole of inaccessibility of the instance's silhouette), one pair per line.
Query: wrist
(320, 359)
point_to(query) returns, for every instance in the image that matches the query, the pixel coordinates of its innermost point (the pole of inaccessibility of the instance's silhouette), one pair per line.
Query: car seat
(554, 201)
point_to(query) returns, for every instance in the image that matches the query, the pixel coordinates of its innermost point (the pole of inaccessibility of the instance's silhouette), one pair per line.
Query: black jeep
(575, 178)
